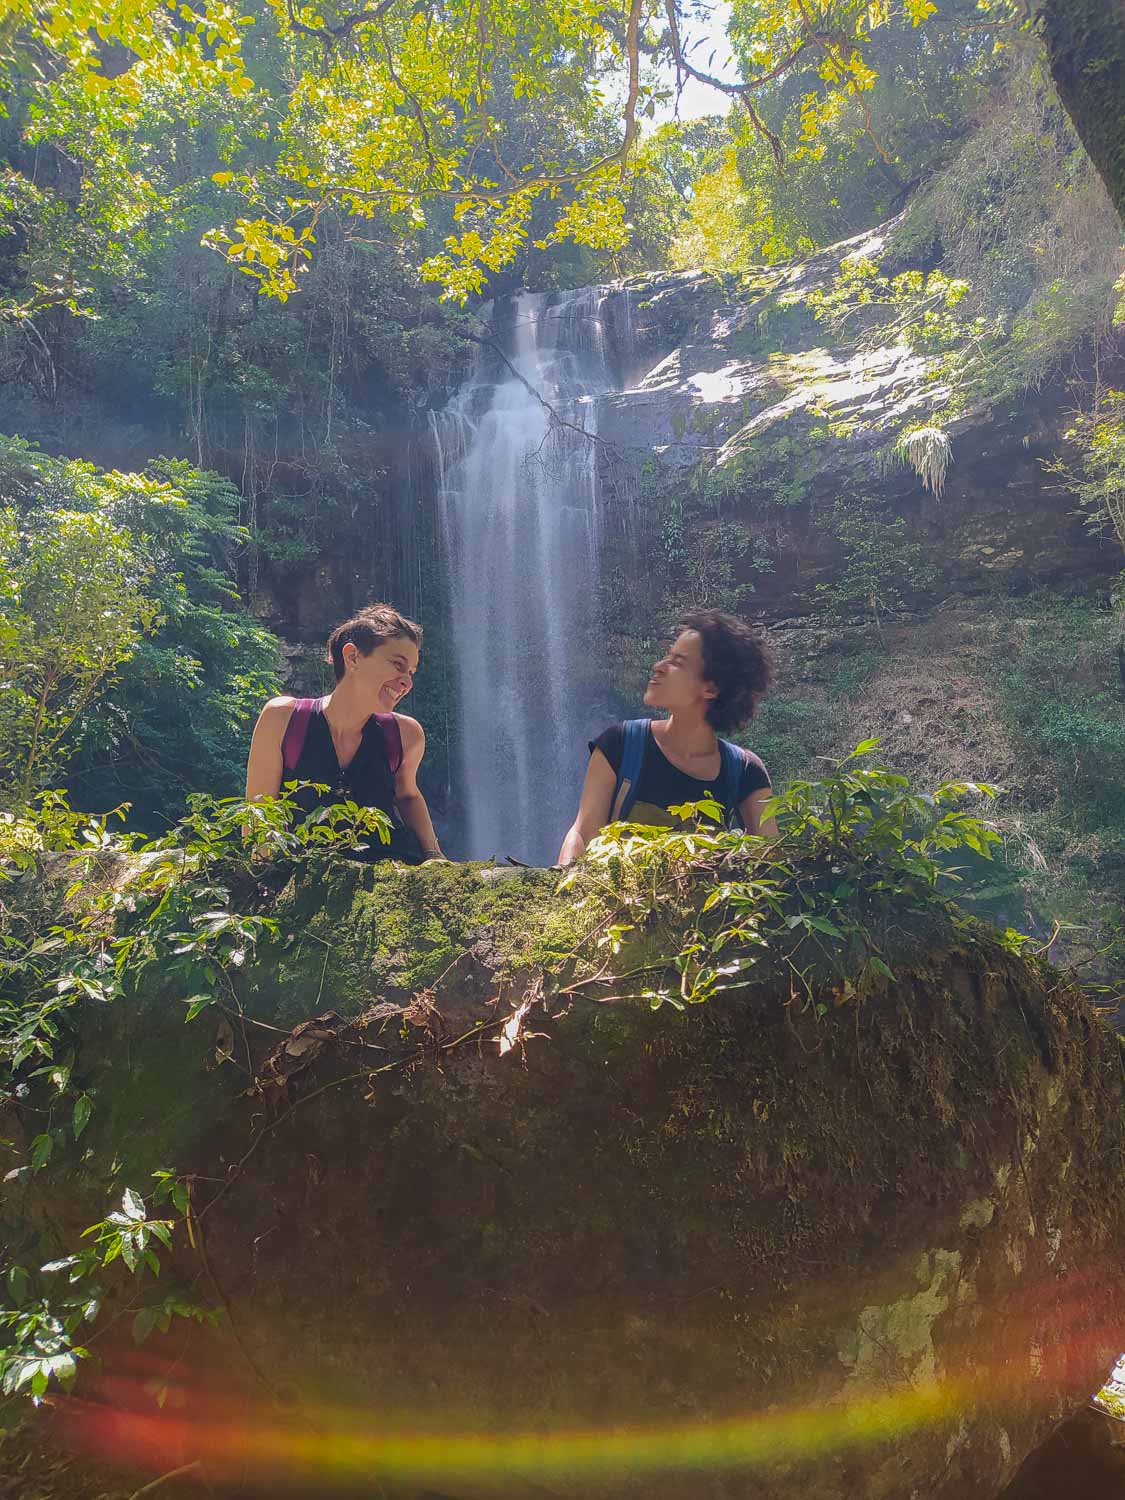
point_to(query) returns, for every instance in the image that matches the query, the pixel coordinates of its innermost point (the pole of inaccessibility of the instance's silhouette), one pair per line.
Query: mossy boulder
(477, 1235)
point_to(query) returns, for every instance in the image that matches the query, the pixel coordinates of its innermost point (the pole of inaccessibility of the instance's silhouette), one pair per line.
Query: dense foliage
(174, 176)
(460, 117)
(133, 666)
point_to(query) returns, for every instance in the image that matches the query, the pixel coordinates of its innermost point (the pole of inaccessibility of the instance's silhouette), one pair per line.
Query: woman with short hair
(710, 679)
(352, 741)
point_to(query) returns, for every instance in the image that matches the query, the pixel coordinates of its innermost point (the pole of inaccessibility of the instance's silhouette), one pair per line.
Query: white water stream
(518, 497)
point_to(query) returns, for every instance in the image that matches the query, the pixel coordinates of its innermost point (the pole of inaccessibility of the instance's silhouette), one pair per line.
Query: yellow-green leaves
(493, 112)
(272, 252)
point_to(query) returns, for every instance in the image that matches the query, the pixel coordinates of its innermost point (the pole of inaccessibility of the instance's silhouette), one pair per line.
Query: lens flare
(319, 1450)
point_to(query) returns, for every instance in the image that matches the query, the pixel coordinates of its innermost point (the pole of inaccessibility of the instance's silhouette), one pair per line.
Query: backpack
(637, 732)
(293, 741)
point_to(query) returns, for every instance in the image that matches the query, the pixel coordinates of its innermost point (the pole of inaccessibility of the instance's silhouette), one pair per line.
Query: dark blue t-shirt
(662, 785)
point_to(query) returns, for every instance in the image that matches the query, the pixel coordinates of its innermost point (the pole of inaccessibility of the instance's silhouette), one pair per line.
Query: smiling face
(677, 682)
(385, 675)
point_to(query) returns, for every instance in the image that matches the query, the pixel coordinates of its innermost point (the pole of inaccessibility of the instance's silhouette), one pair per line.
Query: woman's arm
(751, 810)
(264, 768)
(593, 808)
(408, 798)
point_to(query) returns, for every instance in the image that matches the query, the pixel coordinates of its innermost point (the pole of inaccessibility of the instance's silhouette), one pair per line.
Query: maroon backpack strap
(392, 740)
(293, 741)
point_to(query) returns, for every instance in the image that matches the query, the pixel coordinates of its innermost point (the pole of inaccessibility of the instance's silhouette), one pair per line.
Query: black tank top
(366, 779)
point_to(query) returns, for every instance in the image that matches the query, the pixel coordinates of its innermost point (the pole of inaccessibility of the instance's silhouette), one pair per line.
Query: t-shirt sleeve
(611, 742)
(755, 777)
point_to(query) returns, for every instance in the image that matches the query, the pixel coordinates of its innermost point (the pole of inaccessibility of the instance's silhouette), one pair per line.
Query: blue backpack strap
(733, 763)
(629, 771)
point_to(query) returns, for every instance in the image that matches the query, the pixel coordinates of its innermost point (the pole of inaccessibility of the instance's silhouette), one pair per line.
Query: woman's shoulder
(755, 776)
(276, 712)
(611, 732)
(410, 730)
(611, 743)
(752, 759)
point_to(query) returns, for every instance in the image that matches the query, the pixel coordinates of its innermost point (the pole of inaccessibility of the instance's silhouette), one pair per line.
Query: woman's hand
(593, 808)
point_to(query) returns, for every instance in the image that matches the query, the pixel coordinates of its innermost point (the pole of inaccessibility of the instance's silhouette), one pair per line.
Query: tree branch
(331, 35)
(635, 9)
(739, 91)
(419, 113)
(555, 419)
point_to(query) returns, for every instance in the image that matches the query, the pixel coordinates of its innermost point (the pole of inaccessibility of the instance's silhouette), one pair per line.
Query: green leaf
(41, 1148)
(823, 924)
(133, 1204)
(196, 1004)
(19, 1284)
(83, 1107)
(880, 966)
(143, 1324)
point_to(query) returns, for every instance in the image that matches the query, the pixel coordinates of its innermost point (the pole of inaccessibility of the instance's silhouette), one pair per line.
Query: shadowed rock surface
(726, 1252)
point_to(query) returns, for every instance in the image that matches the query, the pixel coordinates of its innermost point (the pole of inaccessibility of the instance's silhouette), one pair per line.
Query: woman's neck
(688, 732)
(347, 709)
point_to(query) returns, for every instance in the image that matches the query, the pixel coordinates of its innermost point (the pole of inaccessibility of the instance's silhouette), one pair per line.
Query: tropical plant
(125, 580)
(72, 611)
(1098, 480)
(853, 847)
(929, 453)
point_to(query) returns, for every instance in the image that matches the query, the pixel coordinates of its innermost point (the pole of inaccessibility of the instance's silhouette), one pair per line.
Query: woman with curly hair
(711, 679)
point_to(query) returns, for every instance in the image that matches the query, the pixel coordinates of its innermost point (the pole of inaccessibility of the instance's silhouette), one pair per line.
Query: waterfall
(519, 507)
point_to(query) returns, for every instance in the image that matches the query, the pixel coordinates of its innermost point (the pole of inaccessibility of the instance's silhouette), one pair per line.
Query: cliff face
(735, 386)
(779, 1243)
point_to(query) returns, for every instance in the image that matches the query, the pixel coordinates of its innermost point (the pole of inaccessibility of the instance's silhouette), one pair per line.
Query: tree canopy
(477, 127)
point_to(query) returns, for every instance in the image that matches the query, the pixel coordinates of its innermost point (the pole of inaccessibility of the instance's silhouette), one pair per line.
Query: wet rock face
(737, 382)
(737, 1251)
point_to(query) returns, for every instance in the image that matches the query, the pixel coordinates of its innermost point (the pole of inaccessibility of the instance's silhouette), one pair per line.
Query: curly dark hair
(736, 660)
(371, 627)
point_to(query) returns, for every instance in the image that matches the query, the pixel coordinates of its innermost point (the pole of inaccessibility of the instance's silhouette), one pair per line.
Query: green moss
(777, 325)
(355, 936)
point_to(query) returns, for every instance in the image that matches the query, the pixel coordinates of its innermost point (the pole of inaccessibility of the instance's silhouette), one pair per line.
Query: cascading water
(518, 498)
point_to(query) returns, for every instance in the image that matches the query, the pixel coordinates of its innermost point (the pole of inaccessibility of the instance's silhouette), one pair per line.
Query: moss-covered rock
(746, 1248)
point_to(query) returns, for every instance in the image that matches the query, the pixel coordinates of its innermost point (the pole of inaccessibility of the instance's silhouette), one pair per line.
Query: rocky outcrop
(1085, 45)
(795, 1241)
(731, 382)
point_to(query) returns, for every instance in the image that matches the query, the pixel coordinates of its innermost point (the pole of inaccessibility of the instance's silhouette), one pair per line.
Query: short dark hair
(736, 660)
(369, 628)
